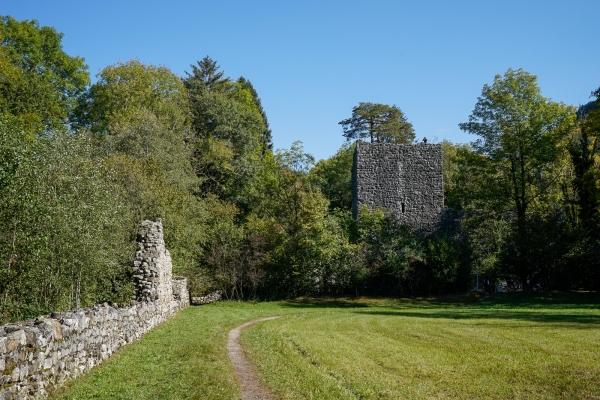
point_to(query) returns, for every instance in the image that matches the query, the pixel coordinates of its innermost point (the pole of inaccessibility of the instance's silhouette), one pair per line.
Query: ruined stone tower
(405, 179)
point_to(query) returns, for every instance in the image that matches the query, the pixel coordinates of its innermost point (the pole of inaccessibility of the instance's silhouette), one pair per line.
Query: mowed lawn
(518, 346)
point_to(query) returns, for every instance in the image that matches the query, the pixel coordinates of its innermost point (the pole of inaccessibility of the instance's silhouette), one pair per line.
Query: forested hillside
(82, 164)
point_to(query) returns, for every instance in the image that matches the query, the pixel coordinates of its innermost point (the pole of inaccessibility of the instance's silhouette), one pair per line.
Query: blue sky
(312, 61)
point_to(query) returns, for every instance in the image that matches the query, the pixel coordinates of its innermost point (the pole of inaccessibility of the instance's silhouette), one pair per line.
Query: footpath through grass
(509, 346)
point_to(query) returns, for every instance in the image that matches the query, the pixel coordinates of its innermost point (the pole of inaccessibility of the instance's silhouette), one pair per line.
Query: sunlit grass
(183, 358)
(509, 346)
(488, 350)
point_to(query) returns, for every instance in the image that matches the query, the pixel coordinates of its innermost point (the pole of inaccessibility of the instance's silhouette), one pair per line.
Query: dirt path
(249, 383)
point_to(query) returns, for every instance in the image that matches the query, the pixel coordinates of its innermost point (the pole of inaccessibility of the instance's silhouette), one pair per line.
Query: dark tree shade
(381, 122)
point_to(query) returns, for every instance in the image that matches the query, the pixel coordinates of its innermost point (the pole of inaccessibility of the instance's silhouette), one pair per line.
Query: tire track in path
(250, 385)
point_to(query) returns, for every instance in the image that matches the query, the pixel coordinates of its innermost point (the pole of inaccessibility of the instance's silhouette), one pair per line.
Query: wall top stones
(405, 179)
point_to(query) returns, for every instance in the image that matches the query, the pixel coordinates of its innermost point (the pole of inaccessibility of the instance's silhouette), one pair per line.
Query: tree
(43, 82)
(583, 150)
(142, 110)
(306, 250)
(228, 130)
(380, 122)
(206, 76)
(64, 237)
(334, 177)
(267, 138)
(522, 135)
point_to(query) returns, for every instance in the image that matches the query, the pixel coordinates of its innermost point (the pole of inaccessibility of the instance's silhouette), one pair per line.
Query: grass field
(510, 346)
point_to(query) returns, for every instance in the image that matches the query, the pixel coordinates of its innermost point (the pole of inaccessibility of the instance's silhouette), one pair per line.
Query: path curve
(249, 382)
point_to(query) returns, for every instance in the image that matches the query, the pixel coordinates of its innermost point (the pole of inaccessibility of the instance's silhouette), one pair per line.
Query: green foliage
(381, 122)
(306, 250)
(522, 146)
(487, 240)
(296, 159)
(267, 138)
(206, 77)
(13, 142)
(228, 123)
(42, 82)
(449, 264)
(400, 263)
(197, 152)
(145, 188)
(63, 243)
(334, 177)
(457, 178)
(583, 149)
(523, 135)
(142, 111)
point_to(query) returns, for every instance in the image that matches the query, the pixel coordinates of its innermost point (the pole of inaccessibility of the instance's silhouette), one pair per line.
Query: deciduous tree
(39, 82)
(522, 135)
(334, 177)
(142, 111)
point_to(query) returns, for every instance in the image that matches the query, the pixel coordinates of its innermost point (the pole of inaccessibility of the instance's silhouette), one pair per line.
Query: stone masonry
(38, 356)
(152, 266)
(209, 298)
(405, 179)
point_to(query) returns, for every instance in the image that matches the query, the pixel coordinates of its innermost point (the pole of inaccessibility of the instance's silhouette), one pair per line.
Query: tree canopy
(40, 82)
(523, 134)
(522, 147)
(379, 122)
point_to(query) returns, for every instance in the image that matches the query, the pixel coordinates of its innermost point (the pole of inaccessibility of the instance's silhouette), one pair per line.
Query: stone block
(18, 336)
(11, 344)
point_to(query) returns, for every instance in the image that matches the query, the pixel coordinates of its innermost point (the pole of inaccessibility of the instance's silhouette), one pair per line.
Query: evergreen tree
(381, 122)
(206, 76)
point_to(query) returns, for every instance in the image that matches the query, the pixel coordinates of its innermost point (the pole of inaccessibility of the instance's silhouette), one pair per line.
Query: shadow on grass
(326, 303)
(478, 314)
(449, 301)
(555, 301)
(544, 300)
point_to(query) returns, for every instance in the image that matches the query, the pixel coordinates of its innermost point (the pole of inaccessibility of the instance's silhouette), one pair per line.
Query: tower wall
(405, 179)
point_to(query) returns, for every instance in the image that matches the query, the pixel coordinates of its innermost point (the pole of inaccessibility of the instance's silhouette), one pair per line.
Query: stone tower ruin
(405, 179)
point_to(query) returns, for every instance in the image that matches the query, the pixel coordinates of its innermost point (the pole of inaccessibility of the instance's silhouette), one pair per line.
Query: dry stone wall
(152, 267)
(405, 179)
(209, 298)
(37, 356)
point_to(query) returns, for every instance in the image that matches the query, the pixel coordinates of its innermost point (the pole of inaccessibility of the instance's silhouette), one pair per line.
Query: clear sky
(312, 61)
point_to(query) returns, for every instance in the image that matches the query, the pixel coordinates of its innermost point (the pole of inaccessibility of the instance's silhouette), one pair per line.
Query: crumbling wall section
(152, 267)
(38, 356)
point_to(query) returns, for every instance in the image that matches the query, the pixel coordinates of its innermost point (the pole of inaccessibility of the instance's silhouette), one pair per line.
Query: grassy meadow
(518, 346)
